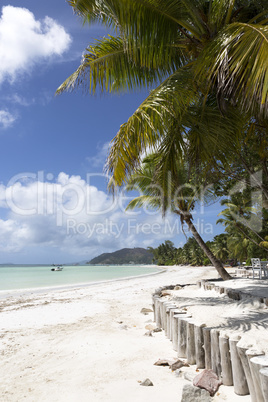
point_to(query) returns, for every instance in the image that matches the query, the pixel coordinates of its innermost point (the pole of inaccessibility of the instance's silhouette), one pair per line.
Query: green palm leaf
(108, 66)
(238, 63)
(149, 123)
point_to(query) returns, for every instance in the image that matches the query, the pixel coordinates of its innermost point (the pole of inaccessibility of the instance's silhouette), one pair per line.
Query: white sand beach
(88, 343)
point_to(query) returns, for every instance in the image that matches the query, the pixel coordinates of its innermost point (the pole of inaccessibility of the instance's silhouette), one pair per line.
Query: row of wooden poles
(245, 369)
(231, 293)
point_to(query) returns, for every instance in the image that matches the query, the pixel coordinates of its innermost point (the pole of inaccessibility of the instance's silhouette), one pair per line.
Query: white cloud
(72, 216)
(6, 119)
(20, 100)
(100, 157)
(25, 42)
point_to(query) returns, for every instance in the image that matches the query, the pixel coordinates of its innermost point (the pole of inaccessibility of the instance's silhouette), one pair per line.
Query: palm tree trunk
(217, 264)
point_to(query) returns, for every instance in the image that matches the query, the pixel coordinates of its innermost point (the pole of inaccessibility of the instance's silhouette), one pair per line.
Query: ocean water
(29, 277)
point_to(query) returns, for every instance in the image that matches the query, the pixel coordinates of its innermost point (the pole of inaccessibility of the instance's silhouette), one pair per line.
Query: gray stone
(189, 375)
(164, 362)
(123, 326)
(165, 293)
(194, 394)
(150, 327)
(178, 364)
(147, 383)
(157, 330)
(146, 310)
(148, 333)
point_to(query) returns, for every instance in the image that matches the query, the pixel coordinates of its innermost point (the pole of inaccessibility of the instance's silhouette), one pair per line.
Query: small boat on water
(58, 268)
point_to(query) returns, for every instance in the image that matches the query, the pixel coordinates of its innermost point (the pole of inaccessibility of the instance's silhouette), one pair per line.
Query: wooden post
(240, 381)
(175, 336)
(245, 354)
(163, 314)
(182, 336)
(175, 331)
(161, 307)
(155, 306)
(168, 309)
(172, 322)
(164, 303)
(226, 366)
(207, 347)
(264, 382)
(158, 312)
(221, 290)
(215, 351)
(256, 364)
(199, 345)
(190, 346)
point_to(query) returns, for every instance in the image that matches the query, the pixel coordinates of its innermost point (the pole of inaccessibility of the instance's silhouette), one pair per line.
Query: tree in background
(171, 188)
(164, 254)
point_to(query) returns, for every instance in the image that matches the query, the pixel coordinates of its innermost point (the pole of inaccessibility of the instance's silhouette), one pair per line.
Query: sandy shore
(88, 343)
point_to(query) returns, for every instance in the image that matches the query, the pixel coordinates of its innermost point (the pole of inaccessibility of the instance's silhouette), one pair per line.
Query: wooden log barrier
(245, 354)
(161, 307)
(264, 382)
(226, 366)
(155, 306)
(199, 345)
(168, 309)
(190, 343)
(163, 312)
(172, 322)
(157, 302)
(239, 377)
(175, 336)
(182, 336)
(164, 304)
(226, 290)
(215, 351)
(256, 364)
(207, 347)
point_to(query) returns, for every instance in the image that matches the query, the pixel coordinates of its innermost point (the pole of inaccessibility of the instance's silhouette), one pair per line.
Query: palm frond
(108, 66)
(238, 63)
(149, 123)
(147, 201)
(104, 11)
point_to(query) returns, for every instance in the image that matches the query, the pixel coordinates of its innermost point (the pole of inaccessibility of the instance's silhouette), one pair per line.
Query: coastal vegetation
(205, 64)
(228, 249)
(169, 184)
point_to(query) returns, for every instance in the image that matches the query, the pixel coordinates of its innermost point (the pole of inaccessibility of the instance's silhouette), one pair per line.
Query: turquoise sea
(29, 277)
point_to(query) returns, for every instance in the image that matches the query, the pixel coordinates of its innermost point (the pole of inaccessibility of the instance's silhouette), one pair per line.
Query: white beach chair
(260, 267)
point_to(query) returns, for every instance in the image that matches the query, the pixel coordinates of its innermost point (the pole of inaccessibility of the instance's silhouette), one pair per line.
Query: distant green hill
(124, 256)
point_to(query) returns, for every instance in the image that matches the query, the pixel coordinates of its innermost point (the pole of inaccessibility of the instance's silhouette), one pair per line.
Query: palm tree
(220, 248)
(238, 214)
(164, 254)
(197, 51)
(176, 191)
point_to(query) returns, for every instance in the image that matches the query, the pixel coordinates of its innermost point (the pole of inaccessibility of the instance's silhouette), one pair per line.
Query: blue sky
(53, 201)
